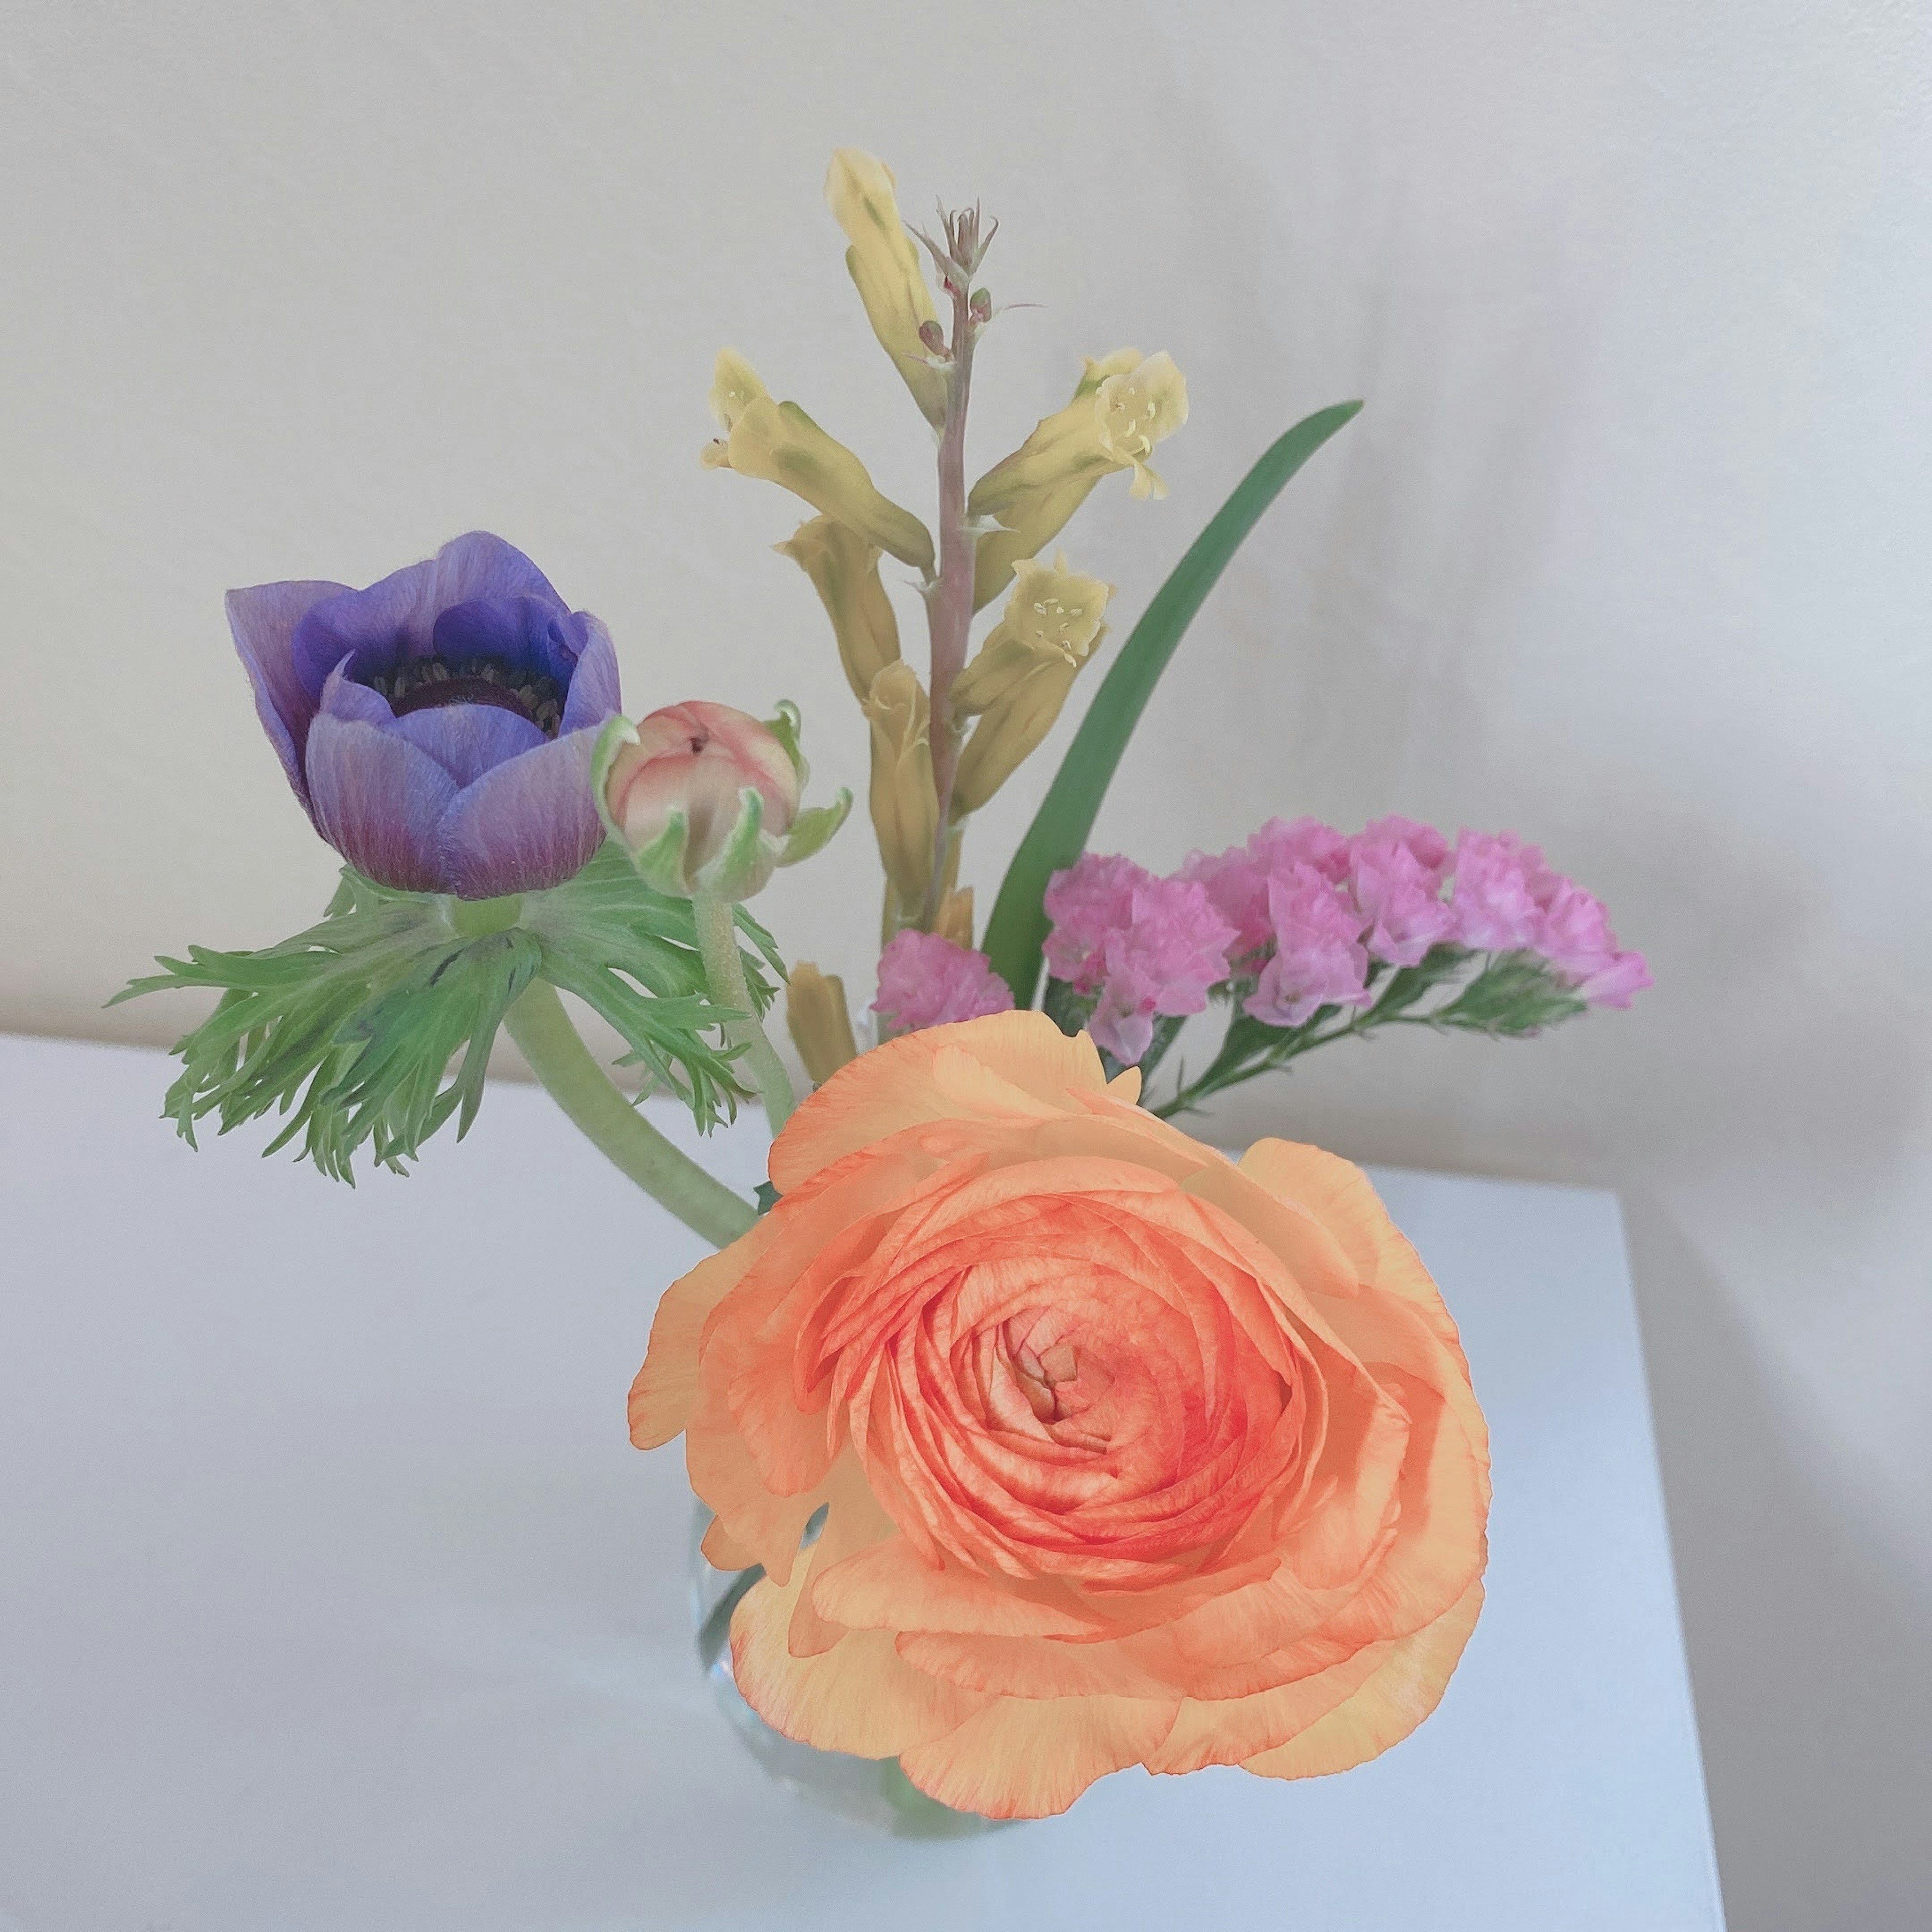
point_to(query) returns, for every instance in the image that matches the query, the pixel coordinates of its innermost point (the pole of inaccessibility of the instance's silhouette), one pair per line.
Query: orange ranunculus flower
(1130, 1455)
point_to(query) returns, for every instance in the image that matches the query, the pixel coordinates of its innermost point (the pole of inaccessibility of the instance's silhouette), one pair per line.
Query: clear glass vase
(872, 1791)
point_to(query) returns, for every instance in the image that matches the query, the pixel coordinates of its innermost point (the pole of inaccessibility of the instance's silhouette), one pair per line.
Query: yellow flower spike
(955, 918)
(778, 442)
(1010, 730)
(1122, 406)
(734, 385)
(884, 266)
(1053, 611)
(844, 571)
(1139, 407)
(1099, 368)
(819, 1022)
(905, 806)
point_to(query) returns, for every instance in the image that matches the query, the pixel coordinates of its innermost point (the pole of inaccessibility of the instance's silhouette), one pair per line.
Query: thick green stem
(569, 1071)
(718, 942)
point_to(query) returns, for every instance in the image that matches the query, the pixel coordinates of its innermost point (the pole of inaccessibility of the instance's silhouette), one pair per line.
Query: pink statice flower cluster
(926, 981)
(1503, 897)
(1301, 917)
(1142, 948)
(1316, 908)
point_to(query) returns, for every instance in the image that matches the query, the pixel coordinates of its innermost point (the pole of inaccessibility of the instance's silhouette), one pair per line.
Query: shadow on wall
(1814, 1693)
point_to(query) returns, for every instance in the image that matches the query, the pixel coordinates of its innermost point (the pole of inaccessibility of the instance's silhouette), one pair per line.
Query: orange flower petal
(1023, 1758)
(666, 1388)
(857, 1696)
(853, 1522)
(1226, 1730)
(721, 1553)
(896, 1086)
(723, 1474)
(1382, 1327)
(1439, 1546)
(880, 1588)
(1406, 1687)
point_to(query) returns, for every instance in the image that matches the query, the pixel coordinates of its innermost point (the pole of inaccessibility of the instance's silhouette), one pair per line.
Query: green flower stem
(949, 597)
(718, 942)
(1231, 1071)
(595, 1105)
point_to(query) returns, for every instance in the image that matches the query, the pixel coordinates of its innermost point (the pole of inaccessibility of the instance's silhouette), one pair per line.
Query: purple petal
(379, 800)
(396, 618)
(355, 703)
(467, 740)
(594, 695)
(525, 631)
(371, 629)
(477, 565)
(528, 824)
(263, 618)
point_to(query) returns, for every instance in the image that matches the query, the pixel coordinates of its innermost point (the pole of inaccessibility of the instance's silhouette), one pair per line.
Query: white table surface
(334, 1599)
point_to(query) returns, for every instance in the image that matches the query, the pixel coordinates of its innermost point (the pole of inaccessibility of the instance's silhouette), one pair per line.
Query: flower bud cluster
(940, 751)
(1123, 405)
(1018, 681)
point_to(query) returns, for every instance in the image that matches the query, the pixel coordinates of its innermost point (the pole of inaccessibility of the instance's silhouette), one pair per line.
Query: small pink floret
(1237, 880)
(1089, 902)
(1494, 899)
(926, 981)
(1505, 898)
(1396, 872)
(1319, 959)
(1173, 947)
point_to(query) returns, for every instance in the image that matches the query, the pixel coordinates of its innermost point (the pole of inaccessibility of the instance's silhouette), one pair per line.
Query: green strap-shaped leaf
(1058, 834)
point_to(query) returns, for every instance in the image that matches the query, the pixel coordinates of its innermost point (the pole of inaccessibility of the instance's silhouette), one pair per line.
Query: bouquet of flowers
(1048, 1440)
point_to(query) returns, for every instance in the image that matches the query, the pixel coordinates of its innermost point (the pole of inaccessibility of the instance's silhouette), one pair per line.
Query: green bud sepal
(743, 863)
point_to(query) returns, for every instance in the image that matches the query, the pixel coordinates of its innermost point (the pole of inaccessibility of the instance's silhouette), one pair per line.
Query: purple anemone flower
(438, 726)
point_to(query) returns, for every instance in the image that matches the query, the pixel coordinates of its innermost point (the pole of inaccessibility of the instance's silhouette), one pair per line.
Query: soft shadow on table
(1812, 1699)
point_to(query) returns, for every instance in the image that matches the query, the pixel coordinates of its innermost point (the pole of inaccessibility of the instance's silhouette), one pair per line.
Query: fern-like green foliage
(349, 1031)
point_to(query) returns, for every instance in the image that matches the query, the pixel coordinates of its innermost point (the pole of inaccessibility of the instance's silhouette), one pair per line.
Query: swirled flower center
(423, 684)
(1049, 1370)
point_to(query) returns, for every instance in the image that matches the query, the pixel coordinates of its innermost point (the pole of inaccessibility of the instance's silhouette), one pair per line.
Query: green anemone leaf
(349, 1030)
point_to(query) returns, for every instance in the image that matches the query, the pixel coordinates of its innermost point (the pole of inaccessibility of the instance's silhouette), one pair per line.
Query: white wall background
(1629, 552)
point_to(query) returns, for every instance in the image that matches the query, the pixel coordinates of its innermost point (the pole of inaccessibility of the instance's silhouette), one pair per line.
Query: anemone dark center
(422, 684)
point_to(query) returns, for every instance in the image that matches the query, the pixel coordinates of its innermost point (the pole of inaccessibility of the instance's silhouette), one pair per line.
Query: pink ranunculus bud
(696, 761)
(1396, 872)
(926, 981)
(1160, 963)
(1319, 959)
